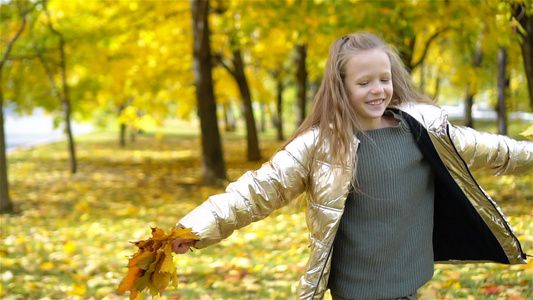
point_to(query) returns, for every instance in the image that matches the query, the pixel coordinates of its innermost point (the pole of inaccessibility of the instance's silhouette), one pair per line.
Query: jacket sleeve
(497, 154)
(254, 195)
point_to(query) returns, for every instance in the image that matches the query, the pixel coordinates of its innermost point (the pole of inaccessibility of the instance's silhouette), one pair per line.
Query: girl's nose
(377, 88)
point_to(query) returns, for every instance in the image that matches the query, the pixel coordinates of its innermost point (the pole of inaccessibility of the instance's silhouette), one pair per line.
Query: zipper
(505, 224)
(356, 146)
(323, 269)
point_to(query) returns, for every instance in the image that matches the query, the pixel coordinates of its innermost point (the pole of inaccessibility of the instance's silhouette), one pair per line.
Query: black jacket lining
(459, 232)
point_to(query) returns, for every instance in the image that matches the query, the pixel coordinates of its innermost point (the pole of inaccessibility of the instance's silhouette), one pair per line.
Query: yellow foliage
(528, 133)
(152, 266)
(47, 266)
(156, 180)
(77, 289)
(69, 247)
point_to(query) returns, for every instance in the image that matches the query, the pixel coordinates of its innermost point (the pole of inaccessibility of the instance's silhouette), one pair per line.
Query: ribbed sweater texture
(383, 248)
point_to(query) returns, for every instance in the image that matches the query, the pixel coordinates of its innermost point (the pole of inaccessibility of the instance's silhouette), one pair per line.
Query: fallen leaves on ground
(69, 240)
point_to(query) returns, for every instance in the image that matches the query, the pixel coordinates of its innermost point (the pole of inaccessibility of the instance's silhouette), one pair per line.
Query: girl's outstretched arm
(254, 195)
(497, 154)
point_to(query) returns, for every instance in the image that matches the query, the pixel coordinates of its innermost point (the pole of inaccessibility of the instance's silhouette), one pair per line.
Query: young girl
(387, 181)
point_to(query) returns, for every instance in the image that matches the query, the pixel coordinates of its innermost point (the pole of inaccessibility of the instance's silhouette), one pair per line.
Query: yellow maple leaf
(184, 233)
(528, 133)
(167, 265)
(161, 280)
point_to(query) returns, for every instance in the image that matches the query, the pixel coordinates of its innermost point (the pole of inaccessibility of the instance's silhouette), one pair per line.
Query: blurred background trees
(134, 64)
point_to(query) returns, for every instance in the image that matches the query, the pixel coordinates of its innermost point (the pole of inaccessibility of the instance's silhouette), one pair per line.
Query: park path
(36, 129)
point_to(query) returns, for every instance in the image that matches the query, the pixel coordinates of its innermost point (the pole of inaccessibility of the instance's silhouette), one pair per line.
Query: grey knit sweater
(383, 248)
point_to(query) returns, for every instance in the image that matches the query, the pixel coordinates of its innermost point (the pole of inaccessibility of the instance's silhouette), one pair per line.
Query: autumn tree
(272, 53)
(6, 205)
(236, 36)
(41, 65)
(62, 91)
(213, 166)
(300, 58)
(237, 71)
(523, 14)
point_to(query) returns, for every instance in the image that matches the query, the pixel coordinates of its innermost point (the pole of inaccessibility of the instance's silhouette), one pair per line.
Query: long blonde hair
(332, 112)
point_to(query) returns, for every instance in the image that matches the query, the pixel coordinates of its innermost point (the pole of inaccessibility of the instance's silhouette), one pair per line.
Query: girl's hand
(181, 246)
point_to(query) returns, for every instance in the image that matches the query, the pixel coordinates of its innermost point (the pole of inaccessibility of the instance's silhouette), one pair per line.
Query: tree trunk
(502, 87)
(527, 46)
(470, 90)
(469, 101)
(122, 127)
(262, 121)
(229, 119)
(64, 96)
(68, 131)
(253, 152)
(422, 86)
(213, 166)
(279, 110)
(437, 85)
(6, 205)
(301, 76)
(65, 104)
(122, 135)
(133, 134)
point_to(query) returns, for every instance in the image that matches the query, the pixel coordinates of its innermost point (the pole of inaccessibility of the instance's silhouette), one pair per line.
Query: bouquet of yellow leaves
(152, 267)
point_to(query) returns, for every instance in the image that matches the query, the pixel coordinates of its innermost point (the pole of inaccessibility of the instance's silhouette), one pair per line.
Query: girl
(387, 181)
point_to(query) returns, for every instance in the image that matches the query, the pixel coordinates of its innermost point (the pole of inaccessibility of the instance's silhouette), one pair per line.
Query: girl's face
(368, 82)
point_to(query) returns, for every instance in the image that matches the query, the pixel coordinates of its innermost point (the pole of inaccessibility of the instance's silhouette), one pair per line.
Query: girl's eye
(385, 80)
(363, 83)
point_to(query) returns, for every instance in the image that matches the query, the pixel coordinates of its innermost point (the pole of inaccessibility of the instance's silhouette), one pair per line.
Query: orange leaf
(491, 289)
(158, 234)
(133, 295)
(129, 281)
(133, 272)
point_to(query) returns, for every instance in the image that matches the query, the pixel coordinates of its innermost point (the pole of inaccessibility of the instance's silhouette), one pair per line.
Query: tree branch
(48, 72)
(219, 60)
(426, 48)
(17, 35)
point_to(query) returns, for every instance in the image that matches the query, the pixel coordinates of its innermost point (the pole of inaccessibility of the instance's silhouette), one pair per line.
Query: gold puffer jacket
(469, 226)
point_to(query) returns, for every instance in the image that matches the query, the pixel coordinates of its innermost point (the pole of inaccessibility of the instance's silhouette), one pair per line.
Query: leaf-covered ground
(70, 238)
